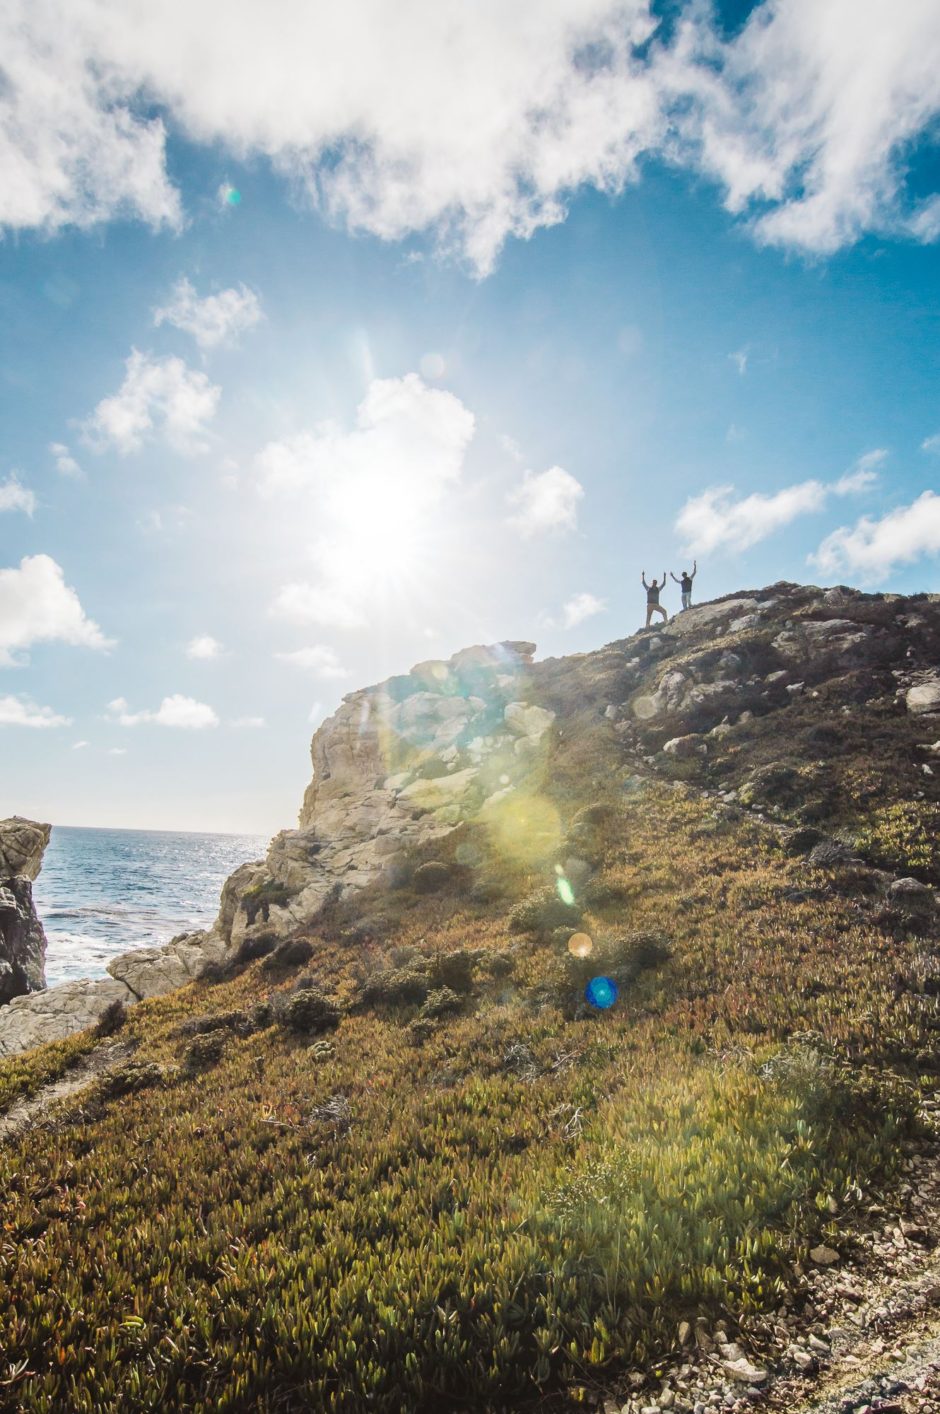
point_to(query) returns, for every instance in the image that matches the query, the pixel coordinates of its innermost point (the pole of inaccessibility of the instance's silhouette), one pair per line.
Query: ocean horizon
(104, 890)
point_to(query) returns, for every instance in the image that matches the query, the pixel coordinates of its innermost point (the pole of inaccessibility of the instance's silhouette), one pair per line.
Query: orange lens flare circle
(580, 945)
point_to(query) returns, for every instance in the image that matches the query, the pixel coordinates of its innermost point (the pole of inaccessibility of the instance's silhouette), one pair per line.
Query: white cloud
(320, 659)
(373, 491)
(203, 646)
(713, 520)
(931, 444)
(174, 711)
(37, 606)
(158, 395)
(317, 604)
(250, 722)
(14, 496)
(872, 548)
(21, 712)
(580, 607)
(546, 501)
(65, 463)
(213, 320)
(476, 122)
(79, 745)
(117, 750)
(739, 360)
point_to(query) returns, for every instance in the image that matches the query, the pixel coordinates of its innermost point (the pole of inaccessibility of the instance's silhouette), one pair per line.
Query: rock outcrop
(748, 697)
(22, 940)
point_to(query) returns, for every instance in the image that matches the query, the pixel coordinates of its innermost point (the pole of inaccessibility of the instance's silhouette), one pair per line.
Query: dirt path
(32, 1109)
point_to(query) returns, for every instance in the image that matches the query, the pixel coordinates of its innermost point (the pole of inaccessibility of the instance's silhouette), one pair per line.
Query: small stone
(818, 1345)
(685, 1332)
(824, 1256)
(743, 1371)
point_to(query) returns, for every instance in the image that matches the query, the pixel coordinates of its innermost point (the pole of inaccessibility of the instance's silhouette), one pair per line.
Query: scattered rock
(824, 1256)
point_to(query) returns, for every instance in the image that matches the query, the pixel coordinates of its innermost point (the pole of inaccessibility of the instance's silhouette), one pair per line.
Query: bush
(442, 1002)
(127, 1079)
(398, 984)
(261, 898)
(430, 878)
(455, 969)
(215, 1021)
(540, 912)
(258, 946)
(204, 1052)
(112, 1019)
(293, 952)
(308, 1012)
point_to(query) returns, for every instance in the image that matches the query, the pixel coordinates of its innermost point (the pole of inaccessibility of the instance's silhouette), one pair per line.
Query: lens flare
(580, 945)
(565, 891)
(644, 708)
(233, 196)
(601, 992)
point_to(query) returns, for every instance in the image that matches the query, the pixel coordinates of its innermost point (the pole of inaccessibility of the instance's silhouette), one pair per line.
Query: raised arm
(694, 569)
(672, 576)
(643, 578)
(663, 580)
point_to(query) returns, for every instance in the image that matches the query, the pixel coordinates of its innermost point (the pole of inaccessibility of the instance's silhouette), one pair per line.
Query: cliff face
(22, 940)
(397, 767)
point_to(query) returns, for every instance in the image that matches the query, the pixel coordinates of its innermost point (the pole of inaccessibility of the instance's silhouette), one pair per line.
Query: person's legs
(649, 613)
(687, 599)
(658, 609)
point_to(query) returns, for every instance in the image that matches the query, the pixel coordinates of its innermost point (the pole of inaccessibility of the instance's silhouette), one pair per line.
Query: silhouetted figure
(653, 605)
(685, 584)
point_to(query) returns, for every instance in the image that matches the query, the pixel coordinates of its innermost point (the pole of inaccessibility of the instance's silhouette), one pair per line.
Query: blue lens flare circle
(601, 992)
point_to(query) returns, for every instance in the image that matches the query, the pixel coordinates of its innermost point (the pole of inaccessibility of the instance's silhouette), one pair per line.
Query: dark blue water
(104, 891)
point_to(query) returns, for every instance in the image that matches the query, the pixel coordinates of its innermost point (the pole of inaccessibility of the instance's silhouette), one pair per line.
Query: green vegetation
(904, 836)
(473, 1190)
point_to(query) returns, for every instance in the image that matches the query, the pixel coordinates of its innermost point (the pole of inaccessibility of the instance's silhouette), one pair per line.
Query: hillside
(386, 1153)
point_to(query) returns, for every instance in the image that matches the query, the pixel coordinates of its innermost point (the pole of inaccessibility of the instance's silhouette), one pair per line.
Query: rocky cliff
(22, 940)
(768, 700)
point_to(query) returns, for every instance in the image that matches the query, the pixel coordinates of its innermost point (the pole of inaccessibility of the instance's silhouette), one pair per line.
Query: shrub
(431, 877)
(204, 1052)
(398, 984)
(308, 1012)
(112, 1019)
(129, 1078)
(293, 952)
(441, 1002)
(455, 969)
(257, 946)
(261, 898)
(540, 912)
(214, 1021)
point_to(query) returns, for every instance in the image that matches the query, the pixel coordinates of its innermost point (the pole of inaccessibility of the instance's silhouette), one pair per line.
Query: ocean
(102, 892)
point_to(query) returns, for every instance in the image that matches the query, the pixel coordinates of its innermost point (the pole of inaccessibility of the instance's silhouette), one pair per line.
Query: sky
(337, 338)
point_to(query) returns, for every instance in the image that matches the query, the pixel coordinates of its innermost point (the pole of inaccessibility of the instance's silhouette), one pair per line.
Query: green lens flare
(565, 891)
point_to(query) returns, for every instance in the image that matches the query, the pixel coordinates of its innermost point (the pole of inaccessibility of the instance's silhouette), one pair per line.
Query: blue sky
(442, 374)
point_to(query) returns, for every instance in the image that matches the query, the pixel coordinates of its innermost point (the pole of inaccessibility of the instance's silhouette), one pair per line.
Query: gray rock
(58, 1012)
(22, 940)
(924, 697)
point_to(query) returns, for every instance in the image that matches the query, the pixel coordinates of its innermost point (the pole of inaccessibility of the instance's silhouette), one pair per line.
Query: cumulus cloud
(931, 444)
(320, 660)
(214, 319)
(65, 463)
(174, 711)
(159, 396)
(715, 520)
(475, 122)
(14, 496)
(375, 489)
(872, 548)
(580, 607)
(546, 501)
(21, 712)
(249, 722)
(36, 606)
(203, 646)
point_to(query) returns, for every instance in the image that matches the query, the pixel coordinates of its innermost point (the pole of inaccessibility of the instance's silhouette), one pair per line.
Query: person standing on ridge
(653, 605)
(685, 584)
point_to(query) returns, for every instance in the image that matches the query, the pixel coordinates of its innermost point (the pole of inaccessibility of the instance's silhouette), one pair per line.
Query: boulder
(53, 1014)
(685, 747)
(529, 721)
(924, 697)
(841, 640)
(22, 940)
